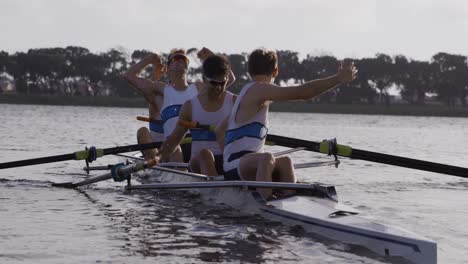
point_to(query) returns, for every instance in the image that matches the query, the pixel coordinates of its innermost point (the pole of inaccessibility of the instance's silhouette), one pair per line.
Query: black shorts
(232, 175)
(219, 164)
(186, 151)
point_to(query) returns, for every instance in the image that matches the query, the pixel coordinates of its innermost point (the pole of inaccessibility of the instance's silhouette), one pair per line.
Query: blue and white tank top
(202, 138)
(157, 132)
(244, 137)
(173, 100)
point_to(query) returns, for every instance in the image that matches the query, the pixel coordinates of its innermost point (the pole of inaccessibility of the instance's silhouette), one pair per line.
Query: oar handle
(150, 120)
(194, 124)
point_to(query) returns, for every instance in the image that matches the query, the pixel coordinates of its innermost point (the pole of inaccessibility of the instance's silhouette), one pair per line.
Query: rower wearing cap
(169, 96)
(246, 127)
(210, 107)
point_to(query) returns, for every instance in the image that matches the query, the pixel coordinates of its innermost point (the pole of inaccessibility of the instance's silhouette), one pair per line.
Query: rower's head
(177, 61)
(263, 63)
(216, 70)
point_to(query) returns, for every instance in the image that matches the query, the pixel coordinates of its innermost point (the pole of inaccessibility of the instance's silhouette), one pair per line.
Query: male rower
(247, 126)
(210, 107)
(174, 93)
(154, 100)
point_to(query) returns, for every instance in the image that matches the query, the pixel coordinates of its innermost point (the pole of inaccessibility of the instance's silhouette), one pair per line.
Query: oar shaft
(121, 172)
(316, 164)
(346, 151)
(103, 177)
(79, 155)
(409, 163)
(21, 163)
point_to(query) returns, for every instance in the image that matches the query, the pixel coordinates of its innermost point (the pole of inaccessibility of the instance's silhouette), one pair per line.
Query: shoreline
(295, 107)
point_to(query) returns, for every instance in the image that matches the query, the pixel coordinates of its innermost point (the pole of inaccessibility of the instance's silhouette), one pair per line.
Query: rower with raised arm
(247, 126)
(174, 93)
(210, 107)
(154, 100)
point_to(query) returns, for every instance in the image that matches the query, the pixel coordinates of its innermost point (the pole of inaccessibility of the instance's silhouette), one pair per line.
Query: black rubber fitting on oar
(333, 149)
(92, 154)
(115, 175)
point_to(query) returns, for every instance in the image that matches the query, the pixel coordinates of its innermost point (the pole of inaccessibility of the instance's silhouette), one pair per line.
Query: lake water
(102, 224)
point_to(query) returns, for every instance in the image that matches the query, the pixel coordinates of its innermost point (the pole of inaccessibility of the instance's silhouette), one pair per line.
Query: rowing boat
(315, 207)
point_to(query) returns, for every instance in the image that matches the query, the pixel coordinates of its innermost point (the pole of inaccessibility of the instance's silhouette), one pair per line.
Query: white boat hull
(319, 215)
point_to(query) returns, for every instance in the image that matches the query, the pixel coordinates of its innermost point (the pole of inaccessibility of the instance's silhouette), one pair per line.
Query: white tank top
(202, 138)
(243, 137)
(172, 102)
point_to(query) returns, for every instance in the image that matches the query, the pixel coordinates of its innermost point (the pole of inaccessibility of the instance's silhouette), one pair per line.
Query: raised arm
(308, 90)
(231, 78)
(178, 134)
(205, 53)
(143, 85)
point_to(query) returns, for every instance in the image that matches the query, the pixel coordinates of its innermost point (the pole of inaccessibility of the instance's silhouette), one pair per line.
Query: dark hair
(215, 65)
(262, 62)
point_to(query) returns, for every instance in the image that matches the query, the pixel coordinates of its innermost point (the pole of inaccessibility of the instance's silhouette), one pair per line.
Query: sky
(417, 29)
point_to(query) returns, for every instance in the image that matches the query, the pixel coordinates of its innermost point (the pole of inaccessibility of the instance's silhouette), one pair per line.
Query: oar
(316, 164)
(79, 155)
(162, 164)
(119, 172)
(194, 124)
(150, 120)
(347, 151)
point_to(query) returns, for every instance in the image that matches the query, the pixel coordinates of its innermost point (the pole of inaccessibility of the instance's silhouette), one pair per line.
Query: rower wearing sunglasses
(210, 107)
(174, 94)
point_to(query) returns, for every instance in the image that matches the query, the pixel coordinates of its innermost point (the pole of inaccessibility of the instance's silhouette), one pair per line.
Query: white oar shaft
(129, 157)
(103, 177)
(315, 164)
(288, 151)
(173, 165)
(121, 171)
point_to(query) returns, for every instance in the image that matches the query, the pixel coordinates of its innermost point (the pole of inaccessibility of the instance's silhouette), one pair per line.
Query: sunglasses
(178, 57)
(216, 82)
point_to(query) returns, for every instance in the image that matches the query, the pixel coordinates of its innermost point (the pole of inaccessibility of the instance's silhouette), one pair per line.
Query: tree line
(77, 71)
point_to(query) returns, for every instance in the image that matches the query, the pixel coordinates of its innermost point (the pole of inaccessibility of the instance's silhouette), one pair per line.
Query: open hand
(204, 53)
(158, 71)
(347, 72)
(153, 58)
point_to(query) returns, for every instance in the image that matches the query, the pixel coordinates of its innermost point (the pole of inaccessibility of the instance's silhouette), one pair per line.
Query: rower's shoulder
(258, 90)
(232, 95)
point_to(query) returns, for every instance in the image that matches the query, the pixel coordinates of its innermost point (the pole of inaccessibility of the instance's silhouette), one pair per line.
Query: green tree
(450, 81)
